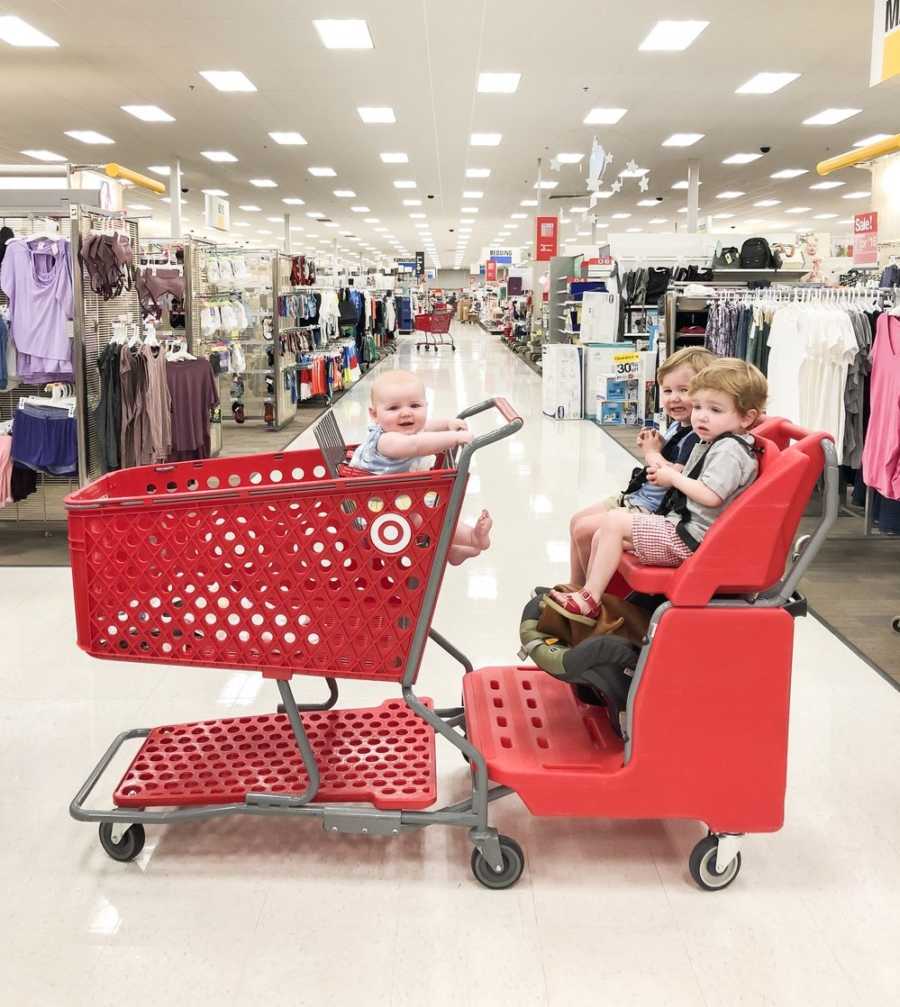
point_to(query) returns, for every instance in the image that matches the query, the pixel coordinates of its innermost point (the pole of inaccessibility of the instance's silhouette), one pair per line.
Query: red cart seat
(746, 549)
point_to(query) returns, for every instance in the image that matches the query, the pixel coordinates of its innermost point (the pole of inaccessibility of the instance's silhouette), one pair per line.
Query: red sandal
(579, 606)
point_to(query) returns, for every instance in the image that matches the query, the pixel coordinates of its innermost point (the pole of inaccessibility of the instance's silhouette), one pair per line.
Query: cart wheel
(703, 866)
(454, 349)
(128, 847)
(513, 865)
(895, 625)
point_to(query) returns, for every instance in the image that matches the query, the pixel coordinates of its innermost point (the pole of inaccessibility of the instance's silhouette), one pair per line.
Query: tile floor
(246, 911)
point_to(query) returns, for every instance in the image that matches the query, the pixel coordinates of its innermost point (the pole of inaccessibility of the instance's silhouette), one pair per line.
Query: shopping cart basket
(436, 328)
(266, 563)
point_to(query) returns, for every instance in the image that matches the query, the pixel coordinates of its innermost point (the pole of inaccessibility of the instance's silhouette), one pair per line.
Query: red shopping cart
(436, 328)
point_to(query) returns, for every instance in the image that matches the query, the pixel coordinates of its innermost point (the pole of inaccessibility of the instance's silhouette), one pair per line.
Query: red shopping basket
(255, 562)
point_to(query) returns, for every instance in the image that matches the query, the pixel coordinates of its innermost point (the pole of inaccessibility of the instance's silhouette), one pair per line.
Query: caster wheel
(703, 866)
(895, 625)
(454, 349)
(129, 845)
(513, 865)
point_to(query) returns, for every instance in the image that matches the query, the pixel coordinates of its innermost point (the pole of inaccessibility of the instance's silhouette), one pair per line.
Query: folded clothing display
(44, 439)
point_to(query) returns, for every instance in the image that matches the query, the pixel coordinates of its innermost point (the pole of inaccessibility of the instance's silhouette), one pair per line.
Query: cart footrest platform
(538, 738)
(384, 756)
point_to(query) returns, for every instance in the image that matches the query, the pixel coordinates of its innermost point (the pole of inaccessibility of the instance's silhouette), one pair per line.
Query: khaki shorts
(615, 503)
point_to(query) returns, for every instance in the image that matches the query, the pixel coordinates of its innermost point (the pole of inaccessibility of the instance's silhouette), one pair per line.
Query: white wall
(451, 279)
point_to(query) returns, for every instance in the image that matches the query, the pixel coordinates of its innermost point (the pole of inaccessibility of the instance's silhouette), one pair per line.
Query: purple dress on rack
(36, 276)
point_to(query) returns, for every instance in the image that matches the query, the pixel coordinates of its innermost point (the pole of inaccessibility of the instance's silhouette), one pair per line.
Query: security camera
(765, 150)
(431, 195)
(185, 190)
(659, 199)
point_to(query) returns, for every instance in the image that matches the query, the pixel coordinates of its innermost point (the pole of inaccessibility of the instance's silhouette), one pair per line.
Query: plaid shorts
(656, 542)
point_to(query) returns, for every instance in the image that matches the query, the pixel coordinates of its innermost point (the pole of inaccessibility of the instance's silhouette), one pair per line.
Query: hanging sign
(885, 41)
(502, 255)
(218, 213)
(865, 239)
(546, 238)
(490, 271)
(420, 263)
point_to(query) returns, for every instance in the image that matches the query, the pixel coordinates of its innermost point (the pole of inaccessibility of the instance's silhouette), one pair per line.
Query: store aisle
(258, 911)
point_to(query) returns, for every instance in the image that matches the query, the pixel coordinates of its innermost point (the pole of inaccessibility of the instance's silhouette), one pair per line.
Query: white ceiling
(572, 56)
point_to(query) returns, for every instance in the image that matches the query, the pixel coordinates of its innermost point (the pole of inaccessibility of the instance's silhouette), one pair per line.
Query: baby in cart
(403, 439)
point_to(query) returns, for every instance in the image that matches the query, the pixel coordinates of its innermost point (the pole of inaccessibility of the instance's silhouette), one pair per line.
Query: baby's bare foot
(481, 531)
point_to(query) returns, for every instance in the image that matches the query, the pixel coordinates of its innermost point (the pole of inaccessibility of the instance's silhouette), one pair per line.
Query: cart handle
(514, 422)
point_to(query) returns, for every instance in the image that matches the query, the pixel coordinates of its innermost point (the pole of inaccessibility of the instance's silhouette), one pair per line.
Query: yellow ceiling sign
(885, 41)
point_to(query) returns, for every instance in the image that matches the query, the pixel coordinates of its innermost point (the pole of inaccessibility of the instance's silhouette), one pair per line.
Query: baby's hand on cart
(464, 436)
(661, 475)
(456, 424)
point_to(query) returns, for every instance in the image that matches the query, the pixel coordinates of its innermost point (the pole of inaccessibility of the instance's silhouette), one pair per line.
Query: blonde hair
(387, 377)
(742, 382)
(694, 357)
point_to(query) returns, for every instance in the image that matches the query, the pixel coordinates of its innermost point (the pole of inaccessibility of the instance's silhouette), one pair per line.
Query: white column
(693, 204)
(175, 200)
(287, 233)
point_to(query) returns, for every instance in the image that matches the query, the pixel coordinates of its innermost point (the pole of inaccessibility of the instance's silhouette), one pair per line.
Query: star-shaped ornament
(632, 165)
(617, 185)
(644, 183)
(609, 160)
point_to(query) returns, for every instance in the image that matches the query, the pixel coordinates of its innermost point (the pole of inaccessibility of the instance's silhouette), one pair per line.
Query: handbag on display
(757, 254)
(788, 256)
(727, 258)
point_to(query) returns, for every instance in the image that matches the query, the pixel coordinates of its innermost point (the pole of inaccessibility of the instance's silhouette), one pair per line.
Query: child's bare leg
(611, 539)
(470, 540)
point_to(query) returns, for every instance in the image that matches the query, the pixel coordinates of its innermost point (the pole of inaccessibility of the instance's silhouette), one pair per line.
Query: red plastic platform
(383, 756)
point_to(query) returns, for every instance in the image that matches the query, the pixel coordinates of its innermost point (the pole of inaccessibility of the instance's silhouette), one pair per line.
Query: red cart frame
(436, 327)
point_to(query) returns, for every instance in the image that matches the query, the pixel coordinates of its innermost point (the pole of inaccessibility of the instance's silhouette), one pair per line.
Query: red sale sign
(865, 239)
(546, 238)
(490, 271)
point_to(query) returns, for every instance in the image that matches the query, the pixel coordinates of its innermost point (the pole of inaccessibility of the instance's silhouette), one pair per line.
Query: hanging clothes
(881, 454)
(194, 393)
(108, 414)
(158, 403)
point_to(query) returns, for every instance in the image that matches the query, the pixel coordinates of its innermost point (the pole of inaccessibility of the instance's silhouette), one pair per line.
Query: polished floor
(256, 911)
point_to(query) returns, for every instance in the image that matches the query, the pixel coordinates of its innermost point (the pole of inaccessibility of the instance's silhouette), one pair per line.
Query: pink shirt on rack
(881, 454)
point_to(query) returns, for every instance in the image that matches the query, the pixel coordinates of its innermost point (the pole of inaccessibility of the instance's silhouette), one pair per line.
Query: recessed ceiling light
(546, 185)
(214, 192)
(275, 220)
(485, 139)
(345, 193)
(824, 216)
(148, 113)
(827, 185)
(263, 231)
(323, 172)
(331, 223)
(574, 209)
(621, 216)
(478, 172)
(519, 216)
(249, 208)
(849, 220)
(372, 220)
(138, 206)
(288, 139)
(584, 234)
(417, 216)
(790, 173)
(767, 83)
(219, 156)
(88, 136)
(473, 194)
(831, 116)
(264, 183)
(293, 201)
(396, 158)
(498, 83)
(43, 155)
(570, 158)
(404, 184)
(470, 209)
(344, 33)
(160, 169)
(296, 227)
(636, 173)
(381, 114)
(647, 202)
(14, 31)
(683, 139)
(166, 199)
(240, 223)
(799, 209)
(742, 158)
(857, 195)
(412, 202)
(635, 230)
(228, 80)
(528, 202)
(730, 194)
(360, 209)
(672, 36)
(659, 220)
(768, 202)
(604, 194)
(877, 138)
(681, 185)
(723, 216)
(604, 116)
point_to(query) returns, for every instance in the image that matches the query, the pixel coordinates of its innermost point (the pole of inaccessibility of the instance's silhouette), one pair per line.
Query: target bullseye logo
(391, 533)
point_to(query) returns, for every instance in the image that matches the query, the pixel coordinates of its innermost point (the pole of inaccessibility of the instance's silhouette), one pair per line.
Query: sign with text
(490, 271)
(885, 41)
(546, 238)
(420, 263)
(501, 255)
(865, 239)
(218, 213)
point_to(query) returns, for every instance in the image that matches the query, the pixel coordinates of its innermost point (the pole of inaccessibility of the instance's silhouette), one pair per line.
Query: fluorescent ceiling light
(404, 184)
(372, 220)
(824, 216)
(681, 185)
(790, 173)
(637, 173)
(148, 113)
(768, 202)
(742, 158)
(360, 209)
(498, 83)
(524, 216)
(799, 209)
(138, 206)
(43, 155)
(831, 116)
(584, 234)
(396, 158)
(219, 156)
(288, 139)
(827, 185)
(635, 230)
(604, 194)
(877, 138)
(621, 216)
(323, 172)
(214, 192)
(381, 114)
(293, 201)
(723, 216)
(160, 169)
(529, 202)
(331, 223)
(485, 139)
(344, 33)
(672, 36)
(647, 202)
(731, 194)
(659, 220)
(470, 209)
(264, 183)
(473, 194)
(88, 136)
(417, 216)
(572, 209)
(857, 195)
(275, 220)
(263, 231)
(478, 172)
(570, 158)
(683, 139)
(345, 193)
(546, 185)
(228, 80)
(166, 199)
(767, 83)
(604, 116)
(249, 208)
(296, 227)
(15, 31)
